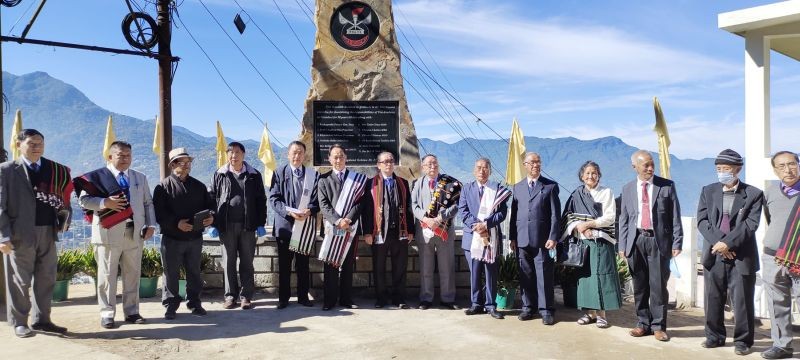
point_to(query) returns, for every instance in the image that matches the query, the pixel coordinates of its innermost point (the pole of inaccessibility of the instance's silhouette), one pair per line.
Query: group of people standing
(386, 213)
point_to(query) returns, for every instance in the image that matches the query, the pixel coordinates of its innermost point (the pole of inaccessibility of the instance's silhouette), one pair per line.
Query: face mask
(726, 178)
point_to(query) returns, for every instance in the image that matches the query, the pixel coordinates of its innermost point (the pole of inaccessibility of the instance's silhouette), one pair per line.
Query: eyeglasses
(786, 166)
(387, 162)
(183, 163)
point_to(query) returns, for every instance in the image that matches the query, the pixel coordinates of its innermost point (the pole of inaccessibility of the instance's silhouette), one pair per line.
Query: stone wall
(266, 269)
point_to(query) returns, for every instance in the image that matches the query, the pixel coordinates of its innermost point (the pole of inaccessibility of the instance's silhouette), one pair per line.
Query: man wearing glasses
(180, 201)
(388, 221)
(781, 202)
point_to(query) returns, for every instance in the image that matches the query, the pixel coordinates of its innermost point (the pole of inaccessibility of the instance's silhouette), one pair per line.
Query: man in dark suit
(534, 228)
(650, 234)
(34, 207)
(289, 190)
(388, 223)
(339, 278)
(484, 222)
(728, 215)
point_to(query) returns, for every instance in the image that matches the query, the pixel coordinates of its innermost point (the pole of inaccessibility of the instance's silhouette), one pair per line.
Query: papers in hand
(296, 211)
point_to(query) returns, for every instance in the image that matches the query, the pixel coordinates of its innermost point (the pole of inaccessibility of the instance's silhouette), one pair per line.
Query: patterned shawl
(788, 254)
(445, 194)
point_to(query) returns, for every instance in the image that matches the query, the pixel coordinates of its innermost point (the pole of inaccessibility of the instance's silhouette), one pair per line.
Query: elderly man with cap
(183, 209)
(728, 215)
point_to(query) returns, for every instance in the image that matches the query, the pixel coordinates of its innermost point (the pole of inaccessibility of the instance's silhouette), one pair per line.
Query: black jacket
(175, 200)
(255, 198)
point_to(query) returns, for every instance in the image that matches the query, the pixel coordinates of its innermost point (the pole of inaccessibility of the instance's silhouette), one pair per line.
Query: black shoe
(305, 302)
(326, 307)
(449, 306)
(496, 314)
(401, 306)
(379, 304)
(107, 323)
(134, 319)
(23, 331)
(425, 305)
(710, 344)
(525, 316)
(475, 310)
(741, 349)
(49, 327)
(777, 353)
(350, 306)
(169, 315)
(548, 319)
(199, 311)
(282, 305)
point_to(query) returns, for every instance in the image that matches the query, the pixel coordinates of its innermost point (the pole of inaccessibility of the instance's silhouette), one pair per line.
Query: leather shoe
(777, 353)
(449, 306)
(425, 305)
(350, 306)
(282, 305)
(169, 315)
(710, 344)
(107, 323)
(496, 314)
(134, 319)
(639, 332)
(401, 306)
(199, 311)
(548, 319)
(49, 327)
(525, 316)
(230, 303)
(305, 302)
(23, 331)
(741, 349)
(379, 304)
(661, 335)
(326, 307)
(246, 304)
(475, 310)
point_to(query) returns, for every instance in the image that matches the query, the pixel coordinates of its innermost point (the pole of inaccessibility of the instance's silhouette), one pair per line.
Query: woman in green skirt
(589, 216)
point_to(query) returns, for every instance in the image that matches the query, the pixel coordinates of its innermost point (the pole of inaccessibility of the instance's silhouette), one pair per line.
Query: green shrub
(69, 263)
(151, 263)
(508, 272)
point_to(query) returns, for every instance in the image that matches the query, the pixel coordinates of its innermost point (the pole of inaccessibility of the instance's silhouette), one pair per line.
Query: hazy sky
(563, 68)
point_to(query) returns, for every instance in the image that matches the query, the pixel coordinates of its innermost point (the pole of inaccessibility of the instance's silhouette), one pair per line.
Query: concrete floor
(309, 333)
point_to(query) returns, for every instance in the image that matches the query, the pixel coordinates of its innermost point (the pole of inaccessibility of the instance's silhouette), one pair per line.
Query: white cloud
(496, 40)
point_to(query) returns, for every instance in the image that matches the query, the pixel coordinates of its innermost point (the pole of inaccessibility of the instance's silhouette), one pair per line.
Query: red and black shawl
(102, 183)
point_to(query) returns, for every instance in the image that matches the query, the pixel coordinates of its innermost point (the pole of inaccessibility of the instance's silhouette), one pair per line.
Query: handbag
(573, 252)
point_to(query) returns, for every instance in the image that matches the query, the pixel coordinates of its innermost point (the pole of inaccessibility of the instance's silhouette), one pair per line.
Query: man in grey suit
(122, 219)
(728, 215)
(34, 205)
(535, 229)
(650, 234)
(434, 248)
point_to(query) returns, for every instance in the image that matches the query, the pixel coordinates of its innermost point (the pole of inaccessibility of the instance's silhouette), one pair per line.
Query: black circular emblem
(355, 26)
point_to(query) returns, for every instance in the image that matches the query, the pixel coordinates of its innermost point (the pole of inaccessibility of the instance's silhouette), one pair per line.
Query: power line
(273, 44)
(225, 81)
(251, 63)
(291, 28)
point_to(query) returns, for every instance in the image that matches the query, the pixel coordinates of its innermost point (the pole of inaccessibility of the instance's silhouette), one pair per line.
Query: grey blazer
(421, 195)
(143, 212)
(17, 203)
(666, 217)
(329, 189)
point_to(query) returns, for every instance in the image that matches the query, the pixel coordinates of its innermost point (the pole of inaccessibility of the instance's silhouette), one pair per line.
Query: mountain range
(74, 129)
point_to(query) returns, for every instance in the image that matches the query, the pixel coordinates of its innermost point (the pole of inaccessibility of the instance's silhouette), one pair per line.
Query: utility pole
(164, 84)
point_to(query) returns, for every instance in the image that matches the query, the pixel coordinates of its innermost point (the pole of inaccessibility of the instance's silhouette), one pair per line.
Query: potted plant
(89, 264)
(624, 274)
(151, 270)
(567, 278)
(182, 282)
(508, 281)
(69, 263)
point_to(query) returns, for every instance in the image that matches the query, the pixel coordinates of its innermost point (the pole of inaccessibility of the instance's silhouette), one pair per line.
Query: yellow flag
(157, 137)
(267, 157)
(110, 138)
(222, 147)
(12, 145)
(663, 140)
(515, 172)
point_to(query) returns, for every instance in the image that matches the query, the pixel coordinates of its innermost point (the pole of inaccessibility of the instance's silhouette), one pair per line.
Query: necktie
(725, 225)
(388, 182)
(124, 185)
(35, 167)
(480, 192)
(341, 177)
(298, 187)
(297, 172)
(646, 223)
(431, 183)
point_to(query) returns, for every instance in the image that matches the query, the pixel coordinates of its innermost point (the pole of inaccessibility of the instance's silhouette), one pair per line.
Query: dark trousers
(285, 257)
(398, 250)
(339, 284)
(650, 273)
(478, 269)
(240, 245)
(723, 279)
(536, 279)
(174, 255)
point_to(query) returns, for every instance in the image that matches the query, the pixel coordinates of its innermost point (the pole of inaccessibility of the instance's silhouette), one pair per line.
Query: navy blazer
(666, 217)
(536, 214)
(745, 216)
(469, 205)
(279, 193)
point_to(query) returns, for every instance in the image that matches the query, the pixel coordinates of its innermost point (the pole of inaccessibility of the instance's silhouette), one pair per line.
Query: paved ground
(309, 333)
